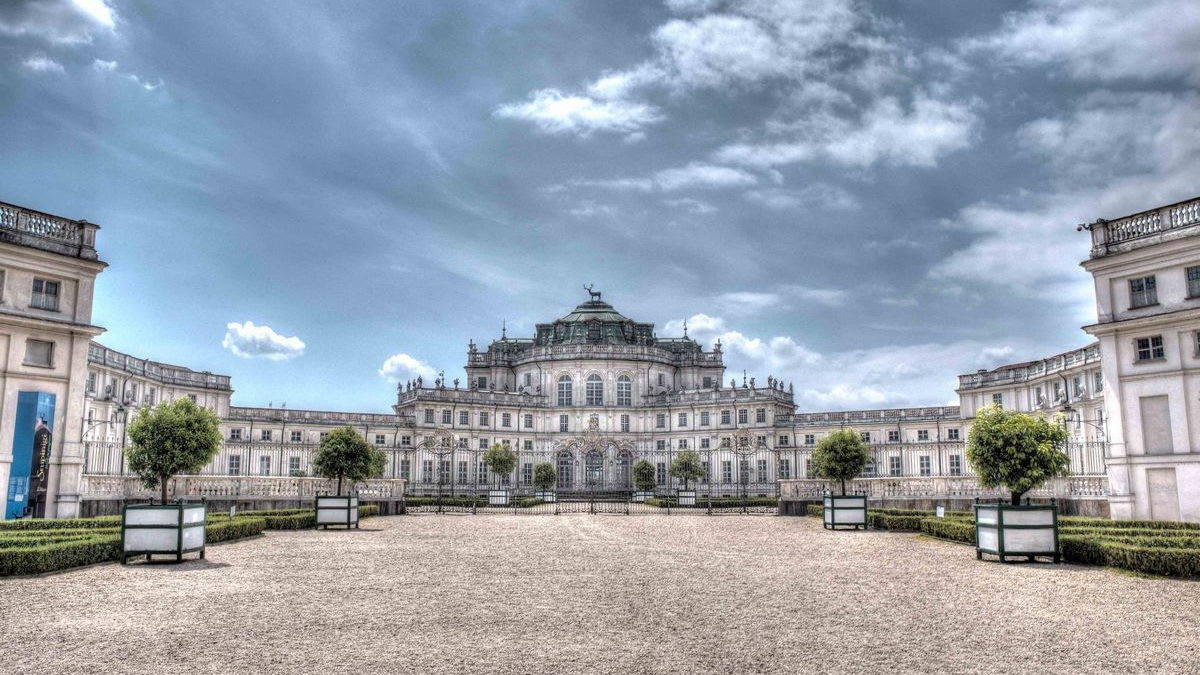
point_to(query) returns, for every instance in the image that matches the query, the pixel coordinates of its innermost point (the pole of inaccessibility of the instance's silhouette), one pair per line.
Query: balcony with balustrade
(1146, 228)
(47, 232)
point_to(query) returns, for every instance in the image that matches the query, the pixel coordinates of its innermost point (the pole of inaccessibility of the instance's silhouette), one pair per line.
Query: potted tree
(643, 480)
(171, 438)
(544, 479)
(342, 455)
(1020, 452)
(500, 460)
(686, 467)
(840, 456)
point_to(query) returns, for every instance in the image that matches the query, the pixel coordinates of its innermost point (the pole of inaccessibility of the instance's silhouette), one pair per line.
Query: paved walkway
(596, 594)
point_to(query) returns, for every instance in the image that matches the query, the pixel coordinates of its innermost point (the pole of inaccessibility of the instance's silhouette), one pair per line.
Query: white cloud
(1149, 154)
(401, 367)
(40, 63)
(883, 376)
(556, 113)
(818, 195)
(144, 84)
(886, 132)
(249, 341)
(65, 22)
(589, 209)
(718, 50)
(104, 66)
(1103, 41)
(700, 175)
(691, 205)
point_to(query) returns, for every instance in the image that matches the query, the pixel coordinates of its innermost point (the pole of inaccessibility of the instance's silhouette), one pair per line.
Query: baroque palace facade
(591, 393)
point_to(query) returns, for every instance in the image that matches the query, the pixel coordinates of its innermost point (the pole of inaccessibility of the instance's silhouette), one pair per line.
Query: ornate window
(624, 390)
(594, 390)
(564, 390)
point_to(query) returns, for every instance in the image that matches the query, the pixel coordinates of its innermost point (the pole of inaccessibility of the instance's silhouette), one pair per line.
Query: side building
(1146, 268)
(48, 269)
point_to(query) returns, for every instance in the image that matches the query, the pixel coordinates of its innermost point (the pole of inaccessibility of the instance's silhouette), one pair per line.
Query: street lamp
(118, 418)
(1071, 415)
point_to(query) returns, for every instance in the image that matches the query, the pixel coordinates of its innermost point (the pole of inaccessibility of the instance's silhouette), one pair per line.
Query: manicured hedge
(61, 555)
(1082, 521)
(238, 528)
(953, 529)
(1173, 562)
(899, 523)
(100, 522)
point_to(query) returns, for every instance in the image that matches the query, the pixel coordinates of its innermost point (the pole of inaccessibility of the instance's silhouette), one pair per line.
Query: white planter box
(162, 529)
(497, 497)
(1025, 531)
(341, 510)
(686, 497)
(548, 497)
(845, 511)
(640, 497)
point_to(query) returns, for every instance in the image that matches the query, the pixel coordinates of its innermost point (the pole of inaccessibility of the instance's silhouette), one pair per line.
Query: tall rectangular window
(264, 465)
(660, 473)
(660, 444)
(293, 466)
(785, 469)
(1193, 281)
(705, 443)
(235, 465)
(1150, 348)
(743, 416)
(528, 445)
(893, 436)
(484, 419)
(264, 434)
(763, 475)
(564, 423)
(682, 420)
(1098, 382)
(707, 382)
(446, 417)
(660, 421)
(704, 472)
(926, 465)
(810, 439)
(894, 466)
(809, 471)
(705, 419)
(784, 440)
(952, 434)
(429, 416)
(998, 400)
(955, 465)
(406, 440)
(464, 418)
(594, 390)
(462, 472)
(625, 423)
(406, 468)
(1143, 291)
(725, 417)
(45, 295)
(726, 471)
(866, 436)
(624, 390)
(91, 383)
(296, 436)
(683, 444)
(427, 471)
(528, 420)
(760, 415)
(564, 390)
(506, 419)
(526, 474)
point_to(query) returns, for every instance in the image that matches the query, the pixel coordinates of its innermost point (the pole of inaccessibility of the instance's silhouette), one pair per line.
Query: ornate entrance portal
(606, 462)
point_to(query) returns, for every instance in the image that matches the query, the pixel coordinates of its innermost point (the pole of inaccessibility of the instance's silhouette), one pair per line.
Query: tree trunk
(162, 482)
(1016, 498)
(843, 485)
(339, 489)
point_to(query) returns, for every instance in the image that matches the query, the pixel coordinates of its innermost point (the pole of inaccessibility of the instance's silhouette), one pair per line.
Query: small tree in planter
(1015, 450)
(500, 460)
(343, 454)
(171, 438)
(686, 467)
(1020, 452)
(840, 456)
(544, 479)
(643, 479)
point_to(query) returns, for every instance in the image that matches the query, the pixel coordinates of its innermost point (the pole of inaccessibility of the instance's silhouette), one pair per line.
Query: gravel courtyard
(596, 594)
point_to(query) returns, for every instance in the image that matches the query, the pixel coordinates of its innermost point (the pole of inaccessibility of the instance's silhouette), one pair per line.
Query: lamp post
(118, 418)
(1072, 415)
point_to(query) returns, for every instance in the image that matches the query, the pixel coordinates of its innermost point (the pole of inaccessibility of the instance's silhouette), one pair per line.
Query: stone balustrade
(48, 232)
(942, 487)
(1144, 228)
(236, 487)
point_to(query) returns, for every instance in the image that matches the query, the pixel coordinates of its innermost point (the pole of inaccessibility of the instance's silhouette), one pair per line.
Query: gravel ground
(596, 594)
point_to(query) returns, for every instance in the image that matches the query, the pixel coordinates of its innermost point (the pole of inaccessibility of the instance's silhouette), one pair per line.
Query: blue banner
(32, 442)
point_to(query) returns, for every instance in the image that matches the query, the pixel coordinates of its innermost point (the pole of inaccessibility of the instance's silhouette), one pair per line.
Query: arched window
(624, 390)
(595, 390)
(564, 390)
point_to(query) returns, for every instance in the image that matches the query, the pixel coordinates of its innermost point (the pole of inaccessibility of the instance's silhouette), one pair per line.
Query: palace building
(594, 391)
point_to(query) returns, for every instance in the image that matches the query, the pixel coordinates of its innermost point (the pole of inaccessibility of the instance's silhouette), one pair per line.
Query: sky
(863, 199)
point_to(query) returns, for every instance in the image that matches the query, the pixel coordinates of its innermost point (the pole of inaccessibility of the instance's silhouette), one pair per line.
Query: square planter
(162, 529)
(548, 497)
(640, 497)
(1025, 531)
(340, 510)
(845, 511)
(686, 497)
(497, 497)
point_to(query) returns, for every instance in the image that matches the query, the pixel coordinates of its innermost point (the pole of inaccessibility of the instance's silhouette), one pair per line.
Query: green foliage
(841, 456)
(238, 528)
(1166, 561)
(59, 555)
(101, 522)
(171, 438)
(953, 529)
(643, 475)
(1015, 450)
(500, 460)
(1081, 521)
(544, 476)
(344, 454)
(887, 521)
(686, 467)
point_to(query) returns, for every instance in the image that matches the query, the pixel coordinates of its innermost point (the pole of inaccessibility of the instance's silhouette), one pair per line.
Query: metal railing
(934, 487)
(92, 487)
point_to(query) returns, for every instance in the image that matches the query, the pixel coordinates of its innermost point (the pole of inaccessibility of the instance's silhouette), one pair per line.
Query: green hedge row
(1173, 562)
(1082, 521)
(100, 522)
(887, 521)
(52, 556)
(238, 528)
(954, 529)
